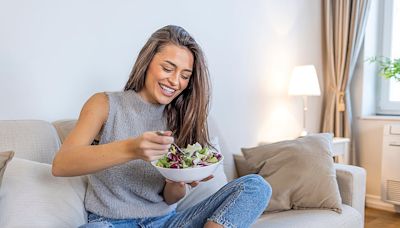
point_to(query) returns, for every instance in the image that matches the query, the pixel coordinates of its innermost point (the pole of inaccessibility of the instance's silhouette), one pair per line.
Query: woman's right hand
(150, 146)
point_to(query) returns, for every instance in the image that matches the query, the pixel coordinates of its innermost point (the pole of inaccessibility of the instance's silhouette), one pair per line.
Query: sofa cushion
(5, 157)
(300, 171)
(349, 218)
(32, 197)
(34, 140)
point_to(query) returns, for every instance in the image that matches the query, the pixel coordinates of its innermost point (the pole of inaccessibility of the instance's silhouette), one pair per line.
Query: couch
(59, 200)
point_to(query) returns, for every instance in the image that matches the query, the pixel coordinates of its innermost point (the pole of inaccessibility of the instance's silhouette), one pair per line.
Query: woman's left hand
(174, 191)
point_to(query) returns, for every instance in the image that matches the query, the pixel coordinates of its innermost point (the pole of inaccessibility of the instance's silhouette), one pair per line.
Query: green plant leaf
(389, 68)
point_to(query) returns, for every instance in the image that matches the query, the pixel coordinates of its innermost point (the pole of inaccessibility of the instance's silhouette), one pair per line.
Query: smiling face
(168, 74)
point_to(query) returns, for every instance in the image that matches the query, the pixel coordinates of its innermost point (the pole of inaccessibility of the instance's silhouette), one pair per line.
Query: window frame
(384, 105)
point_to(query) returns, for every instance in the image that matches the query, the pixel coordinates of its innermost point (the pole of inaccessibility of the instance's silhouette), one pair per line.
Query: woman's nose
(174, 79)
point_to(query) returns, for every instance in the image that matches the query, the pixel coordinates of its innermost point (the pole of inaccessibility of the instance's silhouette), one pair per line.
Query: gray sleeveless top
(133, 189)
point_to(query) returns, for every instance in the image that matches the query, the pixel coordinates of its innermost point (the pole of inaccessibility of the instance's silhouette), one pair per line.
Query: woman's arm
(78, 157)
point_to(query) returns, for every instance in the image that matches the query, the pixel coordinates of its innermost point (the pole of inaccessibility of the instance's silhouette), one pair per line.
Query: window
(389, 101)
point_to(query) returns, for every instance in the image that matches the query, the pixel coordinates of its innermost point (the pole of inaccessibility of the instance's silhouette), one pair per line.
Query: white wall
(54, 54)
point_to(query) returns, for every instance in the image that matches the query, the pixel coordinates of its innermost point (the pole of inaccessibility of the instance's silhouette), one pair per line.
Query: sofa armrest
(352, 184)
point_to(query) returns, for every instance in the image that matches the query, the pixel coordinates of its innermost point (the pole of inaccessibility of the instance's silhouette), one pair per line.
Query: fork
(176, 146)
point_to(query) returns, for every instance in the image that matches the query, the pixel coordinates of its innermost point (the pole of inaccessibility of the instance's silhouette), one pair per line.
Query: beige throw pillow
(5, 157)
(300, 171)
(242, 168)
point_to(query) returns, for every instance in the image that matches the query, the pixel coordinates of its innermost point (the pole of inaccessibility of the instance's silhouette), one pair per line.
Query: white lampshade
(304, 81)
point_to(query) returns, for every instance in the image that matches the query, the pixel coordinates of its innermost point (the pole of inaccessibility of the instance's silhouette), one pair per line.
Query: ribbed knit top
(133, 189)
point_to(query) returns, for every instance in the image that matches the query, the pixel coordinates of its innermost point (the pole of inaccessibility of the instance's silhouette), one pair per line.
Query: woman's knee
(258, 185)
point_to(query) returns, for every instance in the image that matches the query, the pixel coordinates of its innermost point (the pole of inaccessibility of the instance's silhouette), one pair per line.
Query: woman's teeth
(167, 90)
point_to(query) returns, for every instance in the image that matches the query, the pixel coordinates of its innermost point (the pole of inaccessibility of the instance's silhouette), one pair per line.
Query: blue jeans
(238, 204)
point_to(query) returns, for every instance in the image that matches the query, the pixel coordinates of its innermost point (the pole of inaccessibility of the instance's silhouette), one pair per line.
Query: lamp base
(303, 133)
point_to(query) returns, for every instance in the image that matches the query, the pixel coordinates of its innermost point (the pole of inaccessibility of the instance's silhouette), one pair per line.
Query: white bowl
(188, 175)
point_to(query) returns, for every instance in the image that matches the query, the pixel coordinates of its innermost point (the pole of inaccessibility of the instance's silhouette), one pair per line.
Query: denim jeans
(238, 204)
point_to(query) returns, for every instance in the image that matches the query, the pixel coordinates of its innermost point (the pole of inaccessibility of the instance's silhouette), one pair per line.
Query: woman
(168, 90)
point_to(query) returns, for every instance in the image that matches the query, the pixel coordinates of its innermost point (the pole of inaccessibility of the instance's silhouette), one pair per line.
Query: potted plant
(389, 68)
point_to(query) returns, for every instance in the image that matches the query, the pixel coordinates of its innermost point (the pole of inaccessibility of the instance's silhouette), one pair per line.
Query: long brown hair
(187, 113)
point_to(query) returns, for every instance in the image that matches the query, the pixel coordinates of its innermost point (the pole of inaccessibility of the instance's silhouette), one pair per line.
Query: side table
(341, 147)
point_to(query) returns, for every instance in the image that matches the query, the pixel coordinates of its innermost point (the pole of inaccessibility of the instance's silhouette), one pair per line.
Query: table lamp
(304, 82)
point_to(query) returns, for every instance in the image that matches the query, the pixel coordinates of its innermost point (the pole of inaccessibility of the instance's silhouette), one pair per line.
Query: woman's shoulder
(116, 94)
(104, 97)
(99, 99)
(95, 110)
(109, 102)
(97, 104)
(103, 101)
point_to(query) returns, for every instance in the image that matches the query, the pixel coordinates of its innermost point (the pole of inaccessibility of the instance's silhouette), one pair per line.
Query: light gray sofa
(39, 140)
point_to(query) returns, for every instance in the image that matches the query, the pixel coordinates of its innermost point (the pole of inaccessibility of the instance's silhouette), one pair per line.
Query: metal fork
(176, 146)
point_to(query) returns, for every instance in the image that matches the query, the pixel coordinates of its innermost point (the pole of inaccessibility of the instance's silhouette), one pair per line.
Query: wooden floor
(381, 219)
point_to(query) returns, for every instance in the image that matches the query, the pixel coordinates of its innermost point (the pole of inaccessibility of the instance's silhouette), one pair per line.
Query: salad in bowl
(193, 163)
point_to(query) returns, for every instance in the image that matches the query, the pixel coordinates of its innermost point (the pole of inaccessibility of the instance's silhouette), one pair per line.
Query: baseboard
(374, 201)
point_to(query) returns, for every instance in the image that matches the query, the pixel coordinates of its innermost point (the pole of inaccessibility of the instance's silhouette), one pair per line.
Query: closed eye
(167, 70)
(185, 77)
